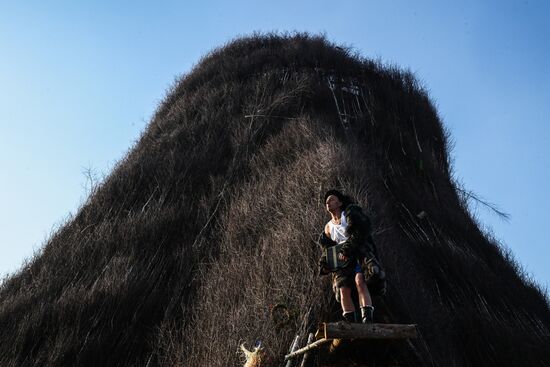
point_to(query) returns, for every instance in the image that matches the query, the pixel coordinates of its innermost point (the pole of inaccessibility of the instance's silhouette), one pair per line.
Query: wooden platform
(347, 330)
(336, 331)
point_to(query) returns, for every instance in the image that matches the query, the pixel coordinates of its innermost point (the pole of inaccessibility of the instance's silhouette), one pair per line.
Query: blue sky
(79, 82)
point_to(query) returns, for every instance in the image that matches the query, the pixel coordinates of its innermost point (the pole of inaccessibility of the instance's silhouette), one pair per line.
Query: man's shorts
(346, 277)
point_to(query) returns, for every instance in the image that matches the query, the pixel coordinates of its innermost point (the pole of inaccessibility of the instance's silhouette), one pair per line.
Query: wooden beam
(308, 347)
(347, 330)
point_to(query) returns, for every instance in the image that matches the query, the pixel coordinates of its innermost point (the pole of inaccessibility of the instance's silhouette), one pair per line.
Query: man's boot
(349, 316)
(367, 314)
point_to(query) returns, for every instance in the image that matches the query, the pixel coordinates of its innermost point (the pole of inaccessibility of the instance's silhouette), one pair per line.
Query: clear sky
(80, 80)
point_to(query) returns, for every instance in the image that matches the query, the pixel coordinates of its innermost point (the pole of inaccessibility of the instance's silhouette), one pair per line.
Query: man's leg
(348, 308)
(362, 290)
(365, 301)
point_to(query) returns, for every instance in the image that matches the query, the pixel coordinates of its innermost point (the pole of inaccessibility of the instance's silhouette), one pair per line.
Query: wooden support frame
(330, 332)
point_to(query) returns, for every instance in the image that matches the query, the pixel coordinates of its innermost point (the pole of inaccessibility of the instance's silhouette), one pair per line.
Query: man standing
(350, 228)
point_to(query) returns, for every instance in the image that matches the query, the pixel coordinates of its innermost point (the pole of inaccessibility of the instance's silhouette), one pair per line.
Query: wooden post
(293, 347)
(346, 330)
(306, 354)
(320, 333)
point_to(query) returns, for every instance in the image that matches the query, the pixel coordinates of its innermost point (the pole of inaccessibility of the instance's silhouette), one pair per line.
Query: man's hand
(342, 257)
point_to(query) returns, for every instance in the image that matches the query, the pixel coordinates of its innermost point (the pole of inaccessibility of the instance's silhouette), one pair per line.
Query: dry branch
(308, 347)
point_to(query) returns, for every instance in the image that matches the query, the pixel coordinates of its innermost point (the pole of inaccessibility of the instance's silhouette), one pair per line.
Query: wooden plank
(346, 330)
